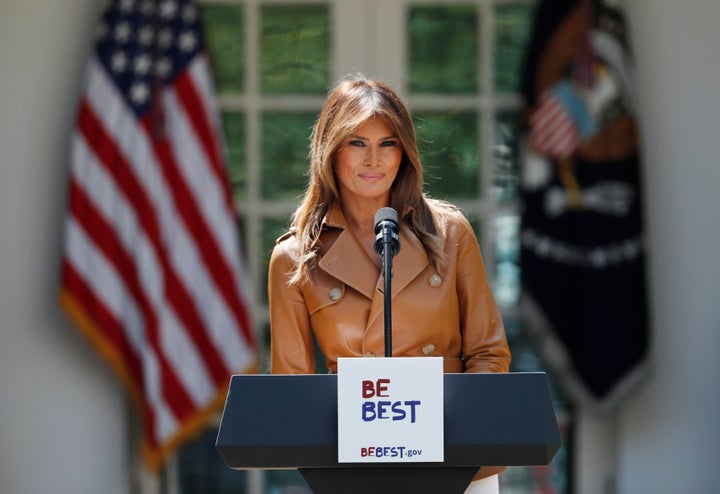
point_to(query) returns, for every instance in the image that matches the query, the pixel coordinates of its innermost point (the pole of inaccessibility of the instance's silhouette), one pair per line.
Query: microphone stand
(387, 293)
(387, 244)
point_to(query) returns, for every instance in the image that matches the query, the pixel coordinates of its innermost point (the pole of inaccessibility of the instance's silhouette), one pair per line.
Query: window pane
(477, 225)
(234, 131)
(443, 49)
(295, 48)
(285, 140)
(506, 286)
(449, 148)
(506, 168)
(223, 26)
(512, 28)
(272, 228)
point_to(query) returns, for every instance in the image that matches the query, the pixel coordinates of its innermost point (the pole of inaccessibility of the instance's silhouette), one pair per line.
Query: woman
(325, 279)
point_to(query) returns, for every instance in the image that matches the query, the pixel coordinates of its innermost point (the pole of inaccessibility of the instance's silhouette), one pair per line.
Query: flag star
(142, 64)
(139, 93)
(189, 14)
(118, 62)
(127, 5)
(146, 35)
(163, 67)
(168, 8)
(122, 32)
(166, 38)
(187, 41)
(147, 7)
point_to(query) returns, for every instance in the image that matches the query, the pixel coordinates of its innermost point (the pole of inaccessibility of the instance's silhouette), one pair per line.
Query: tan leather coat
(451, 314)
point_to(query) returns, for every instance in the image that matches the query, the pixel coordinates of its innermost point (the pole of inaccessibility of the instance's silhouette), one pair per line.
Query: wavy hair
(352, 101)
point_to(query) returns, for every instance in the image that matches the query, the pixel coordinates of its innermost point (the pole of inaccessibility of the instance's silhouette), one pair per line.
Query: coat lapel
(346, 261)
(407, 265)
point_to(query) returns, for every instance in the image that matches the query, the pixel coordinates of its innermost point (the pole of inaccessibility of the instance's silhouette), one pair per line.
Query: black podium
(287, 422)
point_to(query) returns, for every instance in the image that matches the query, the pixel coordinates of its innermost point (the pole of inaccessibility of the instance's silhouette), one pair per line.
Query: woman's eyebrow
(355, 136)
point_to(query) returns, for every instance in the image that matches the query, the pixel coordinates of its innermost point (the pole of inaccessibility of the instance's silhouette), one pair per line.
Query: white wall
(63, 415)
(668, 435)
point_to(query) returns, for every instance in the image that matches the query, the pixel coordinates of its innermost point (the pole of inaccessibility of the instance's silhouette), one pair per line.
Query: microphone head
(386, 214)
(387, 225)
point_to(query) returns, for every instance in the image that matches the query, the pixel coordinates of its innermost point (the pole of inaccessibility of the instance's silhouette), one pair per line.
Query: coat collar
(347, 261)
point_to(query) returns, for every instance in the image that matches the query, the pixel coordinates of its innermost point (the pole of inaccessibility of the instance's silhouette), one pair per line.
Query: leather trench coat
(451, 314)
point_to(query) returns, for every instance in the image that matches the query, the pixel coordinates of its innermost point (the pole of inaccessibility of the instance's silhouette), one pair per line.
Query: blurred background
(66, 424)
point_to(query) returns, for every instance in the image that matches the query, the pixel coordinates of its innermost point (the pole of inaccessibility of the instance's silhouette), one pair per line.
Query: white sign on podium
(390, 410)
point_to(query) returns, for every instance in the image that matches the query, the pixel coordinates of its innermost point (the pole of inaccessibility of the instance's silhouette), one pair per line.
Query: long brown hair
(352, 101)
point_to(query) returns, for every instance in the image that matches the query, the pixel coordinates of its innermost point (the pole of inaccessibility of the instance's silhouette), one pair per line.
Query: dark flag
(583, 250)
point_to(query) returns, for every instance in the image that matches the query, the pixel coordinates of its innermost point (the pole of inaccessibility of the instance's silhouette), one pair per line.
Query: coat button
(428, 349)
(434, 280)
(335, 294)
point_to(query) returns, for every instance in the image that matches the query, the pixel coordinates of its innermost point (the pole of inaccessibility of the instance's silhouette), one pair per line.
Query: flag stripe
(186, 120)
(102, 279)
(104, 238)
(99, 313)
(208, 248)
(185, 359)
(111, 340)
(157, 264)
(205, 187)
(552, 130)
(190, 97)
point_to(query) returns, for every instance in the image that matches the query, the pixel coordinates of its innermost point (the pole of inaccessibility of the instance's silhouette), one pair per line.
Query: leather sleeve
(485, 347)
(291, 340)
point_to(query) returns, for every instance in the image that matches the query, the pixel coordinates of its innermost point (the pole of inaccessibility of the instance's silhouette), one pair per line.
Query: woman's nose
(372, 157)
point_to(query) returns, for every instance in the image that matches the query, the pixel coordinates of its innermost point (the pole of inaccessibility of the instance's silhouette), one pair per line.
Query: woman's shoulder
(287, 244)
(447, 214)
(288, 236)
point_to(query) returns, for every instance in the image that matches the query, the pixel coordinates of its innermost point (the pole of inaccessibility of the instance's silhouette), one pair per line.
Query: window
(457, 65)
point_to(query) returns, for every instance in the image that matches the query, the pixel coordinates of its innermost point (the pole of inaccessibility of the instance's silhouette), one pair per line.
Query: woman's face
(367, 163)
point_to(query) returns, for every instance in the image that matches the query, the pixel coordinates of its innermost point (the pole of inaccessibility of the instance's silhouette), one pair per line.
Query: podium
(290, 421)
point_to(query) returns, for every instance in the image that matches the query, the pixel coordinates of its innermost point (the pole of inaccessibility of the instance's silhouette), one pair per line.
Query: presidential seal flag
(583, 249)
(151, 268)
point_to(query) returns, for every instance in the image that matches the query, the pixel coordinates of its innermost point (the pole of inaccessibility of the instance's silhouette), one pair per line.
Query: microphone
(387, 244)
(387, 225)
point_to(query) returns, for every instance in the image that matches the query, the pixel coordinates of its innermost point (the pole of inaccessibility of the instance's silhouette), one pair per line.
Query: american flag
(151, 268)
(552, 128)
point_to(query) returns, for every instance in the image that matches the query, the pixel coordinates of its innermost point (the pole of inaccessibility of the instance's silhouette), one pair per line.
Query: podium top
(290, 421)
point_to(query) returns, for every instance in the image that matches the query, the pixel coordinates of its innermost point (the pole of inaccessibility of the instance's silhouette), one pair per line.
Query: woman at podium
(325, 280)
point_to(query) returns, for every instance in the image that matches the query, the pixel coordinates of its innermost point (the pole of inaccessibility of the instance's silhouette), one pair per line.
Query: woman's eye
(389, 143)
